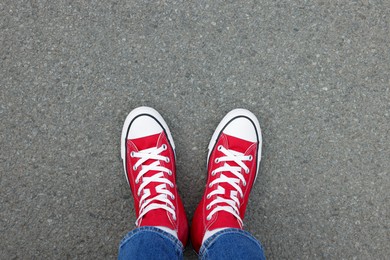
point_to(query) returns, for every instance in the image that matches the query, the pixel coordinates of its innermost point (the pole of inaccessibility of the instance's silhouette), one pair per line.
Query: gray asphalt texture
(316, 73)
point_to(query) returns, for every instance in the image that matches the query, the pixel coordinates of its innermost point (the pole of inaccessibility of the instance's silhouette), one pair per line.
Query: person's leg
(231, 243)
(148, 154)
(233, 162)
(150, 243)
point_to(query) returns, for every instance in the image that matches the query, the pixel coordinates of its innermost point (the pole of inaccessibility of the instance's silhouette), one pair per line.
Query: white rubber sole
(238, 112)
(130, 117)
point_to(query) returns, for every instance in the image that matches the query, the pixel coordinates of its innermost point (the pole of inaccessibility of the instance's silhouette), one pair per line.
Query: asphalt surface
(316, 73)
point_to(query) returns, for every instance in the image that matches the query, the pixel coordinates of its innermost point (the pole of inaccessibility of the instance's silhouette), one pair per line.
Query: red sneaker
(233, 162)
(148, 155)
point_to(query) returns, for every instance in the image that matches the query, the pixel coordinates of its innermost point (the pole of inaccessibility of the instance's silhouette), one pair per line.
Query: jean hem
(210, 241)
(175, 241)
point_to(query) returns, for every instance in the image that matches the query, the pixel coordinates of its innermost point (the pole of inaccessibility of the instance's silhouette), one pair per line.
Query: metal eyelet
(219, 148)
(208, 196)
(134, 168)
(208, 218)
(208, 207)
(247, 171)
(170, 172)
(212, 173)
(216, 160)
(167, 160)
(137, 181)
(173, 197)
(164, 147)
(244, 183)
(172, 185)
(210, 185)
(132, 154)
(250, 158)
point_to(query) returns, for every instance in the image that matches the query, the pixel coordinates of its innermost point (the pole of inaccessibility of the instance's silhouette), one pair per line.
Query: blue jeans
(154, 243)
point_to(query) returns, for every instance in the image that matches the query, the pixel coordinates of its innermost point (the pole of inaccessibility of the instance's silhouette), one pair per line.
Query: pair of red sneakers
(148, 154)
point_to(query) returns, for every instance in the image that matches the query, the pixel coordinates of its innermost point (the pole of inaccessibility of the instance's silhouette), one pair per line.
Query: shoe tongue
(156, 217)
(225, 220)
(228, 219)
(147, 141)
(236, 144)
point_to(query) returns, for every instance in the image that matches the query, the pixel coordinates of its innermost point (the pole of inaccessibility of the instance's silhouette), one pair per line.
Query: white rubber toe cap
(243, 128)
(143, 126)
(140, 122)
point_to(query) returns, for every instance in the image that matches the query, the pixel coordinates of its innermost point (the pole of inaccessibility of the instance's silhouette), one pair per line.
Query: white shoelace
(233, 204)
(146, 204)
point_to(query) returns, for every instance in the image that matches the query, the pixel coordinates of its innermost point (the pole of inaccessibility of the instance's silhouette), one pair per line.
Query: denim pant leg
(150, 243)
(231, 243)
